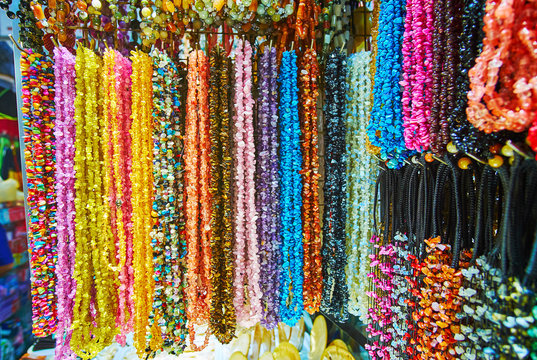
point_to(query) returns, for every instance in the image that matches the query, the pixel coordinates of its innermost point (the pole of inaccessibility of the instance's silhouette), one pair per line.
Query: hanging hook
(517, 150)
(476, 158)
(17, 44)
(54, 41)
(437, 158)
(343, 46)
(415, 160)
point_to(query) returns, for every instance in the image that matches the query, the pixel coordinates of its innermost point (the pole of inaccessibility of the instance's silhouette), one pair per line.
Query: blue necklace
(387, 116)
(291, 275)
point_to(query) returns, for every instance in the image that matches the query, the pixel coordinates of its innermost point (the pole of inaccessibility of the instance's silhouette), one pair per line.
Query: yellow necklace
(95, 247)
(142, 201)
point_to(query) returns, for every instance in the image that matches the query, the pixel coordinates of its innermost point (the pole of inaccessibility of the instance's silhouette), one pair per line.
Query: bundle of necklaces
(197, 169)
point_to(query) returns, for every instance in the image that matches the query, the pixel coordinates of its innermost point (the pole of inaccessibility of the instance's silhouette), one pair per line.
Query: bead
(429, 157)
(146, 12)
(496, 161)
(495, 149)
(464, 163)
(507, 151)
(451, 148)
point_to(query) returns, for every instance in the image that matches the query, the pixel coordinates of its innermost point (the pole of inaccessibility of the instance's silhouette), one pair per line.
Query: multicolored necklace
(38, 115)
(167, 235)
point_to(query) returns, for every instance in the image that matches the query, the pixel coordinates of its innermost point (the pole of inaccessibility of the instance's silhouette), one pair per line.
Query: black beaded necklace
(463, 134)
(335, 292)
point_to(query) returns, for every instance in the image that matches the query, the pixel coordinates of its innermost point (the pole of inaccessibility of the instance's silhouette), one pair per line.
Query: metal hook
(476, 158)
(415, 160)
(376, 157)
(17, 44)
(437, 158)
(517, 150)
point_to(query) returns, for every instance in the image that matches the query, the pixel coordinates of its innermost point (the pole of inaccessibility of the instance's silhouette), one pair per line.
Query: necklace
(335, 291)
(360, 186)
(310, 174)
(385, 128)
(222, 311)
(291, 275)
(64, 130)
(92, 330)
(507, 59)
(38, 120)
(198, 200)
(142, 197)
(267, 187)
(417, 66)
(247, 306)
(167, 235)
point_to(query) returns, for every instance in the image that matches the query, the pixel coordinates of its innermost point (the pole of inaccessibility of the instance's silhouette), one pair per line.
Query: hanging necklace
(198, 198)
(506, 59)
(360, 184)
(222, 311)
(64, 131)
(167, 235)
(309, 72)
(92, 330)
(246, 278)
(38, 120)
(116, 108)
(417, 66)
(291, 275)
(142, 198)
(335, 291)
(267, 187)
(385, 128)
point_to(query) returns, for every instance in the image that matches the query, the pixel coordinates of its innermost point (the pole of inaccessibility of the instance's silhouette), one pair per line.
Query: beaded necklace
(267, 187)
(92, 330)
(335, 291)
(463, 134)
(112, 63)
(291, 273)
(38, 120)
(450, 62)
(198, 197)
(510, 60)
(142, 197)
(360, 184)
(64, 131)
(122, 168)
(417, 66)
(105, 275)
(222, 311)
(247, 306)
(309, 72)
(167, 235)
(385, 128)
(373, 69)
